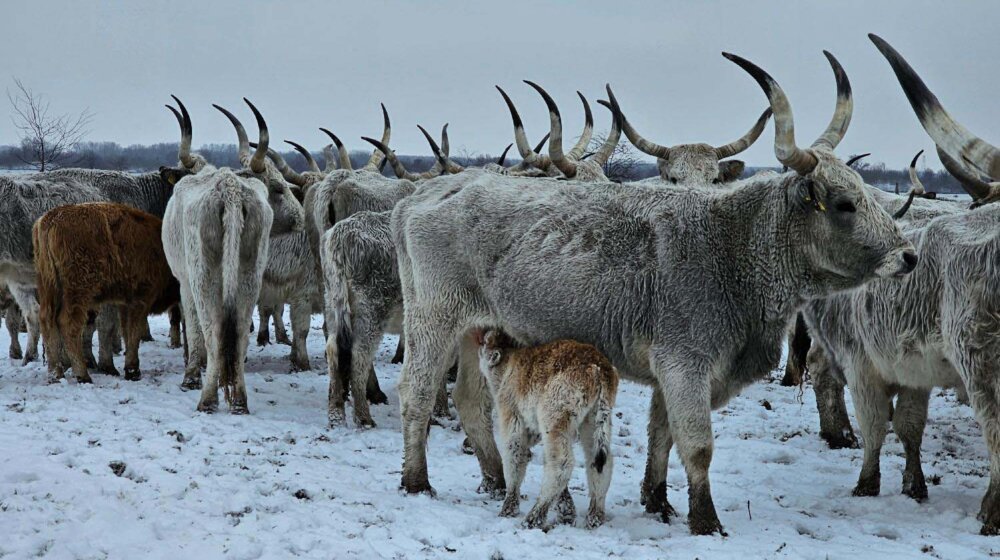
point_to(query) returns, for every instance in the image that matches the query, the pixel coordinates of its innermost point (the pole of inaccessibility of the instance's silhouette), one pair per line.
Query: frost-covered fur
(363, 301)
(290, 277)
(688, 290)
(215, 235)
(148, 192)
(22, 201)
(938, 327)
(555, 392)
(12, 317)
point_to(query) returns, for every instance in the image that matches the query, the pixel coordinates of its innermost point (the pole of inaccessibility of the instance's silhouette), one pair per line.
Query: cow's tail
(341, 333)
(233, 218)
(602, 422)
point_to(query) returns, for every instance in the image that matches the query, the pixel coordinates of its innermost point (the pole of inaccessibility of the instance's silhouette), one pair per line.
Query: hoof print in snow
(302, 494)
(117, 467)
(177, 435)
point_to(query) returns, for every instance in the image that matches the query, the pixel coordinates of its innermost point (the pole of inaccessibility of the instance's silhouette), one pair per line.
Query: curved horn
(528, 155)
(282, 166)
(588, 131)
(541, 143)
(733, 148)
(784, 124)
(330, 159)
(946, 132)
(442, 159)
(970, 181)
(257, 161)
(643, 145)
(916, 188)
(565, 164)
(184, 120)
(313, 166)
(345, 158)
(503, 156)
(603, 154)
(243, 143)
(376, 157)
(445, 151)
(841, 119)
(397, 166)
(856, 159)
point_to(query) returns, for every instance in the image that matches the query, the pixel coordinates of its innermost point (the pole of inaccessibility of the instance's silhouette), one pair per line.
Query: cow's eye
(845, 206)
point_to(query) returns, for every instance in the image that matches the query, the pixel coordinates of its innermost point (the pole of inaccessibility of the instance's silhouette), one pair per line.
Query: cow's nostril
(910, 258)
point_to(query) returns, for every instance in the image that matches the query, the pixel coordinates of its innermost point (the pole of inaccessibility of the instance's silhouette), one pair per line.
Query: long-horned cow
(215, 235)
(688, 290)
(935, 328)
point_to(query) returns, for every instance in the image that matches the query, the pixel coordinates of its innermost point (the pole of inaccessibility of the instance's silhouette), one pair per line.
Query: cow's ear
(494, 358)
(730, 170)
(171, 175)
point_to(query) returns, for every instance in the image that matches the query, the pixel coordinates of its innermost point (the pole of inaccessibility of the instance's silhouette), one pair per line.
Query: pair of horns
(916, 188)
(663, 152)
(567, 163)
(375, 161)
(442, 165)
(785, 149)
(256, 161)
(533, 156)
(956, 145)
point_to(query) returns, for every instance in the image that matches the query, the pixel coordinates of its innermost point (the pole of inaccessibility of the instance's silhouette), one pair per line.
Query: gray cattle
(215, 236)
(12, 317)
(687, 290)
(22, 201)
(532, 159)
(935, 328)
(290, 272)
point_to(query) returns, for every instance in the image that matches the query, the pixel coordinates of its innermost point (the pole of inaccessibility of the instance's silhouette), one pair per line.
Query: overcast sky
(310, 64)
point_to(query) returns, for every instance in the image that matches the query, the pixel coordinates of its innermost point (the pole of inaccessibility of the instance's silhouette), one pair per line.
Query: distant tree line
(623, 167)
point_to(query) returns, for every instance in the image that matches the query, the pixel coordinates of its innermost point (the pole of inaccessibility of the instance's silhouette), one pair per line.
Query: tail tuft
(230, 339)
(600, 460)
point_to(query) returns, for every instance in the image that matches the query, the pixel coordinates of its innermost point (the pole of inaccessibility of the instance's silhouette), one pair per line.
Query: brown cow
(92, 254)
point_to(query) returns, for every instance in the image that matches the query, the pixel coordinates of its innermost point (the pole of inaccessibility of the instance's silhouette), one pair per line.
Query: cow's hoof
(867, 487)
(284, 340)
(364, 423)
(191, 383)
(536, 520)
(132, 374)
(377, 397)
(595, 519)
(915, 487)
(16, 354)
(208, 407)
(336, 418)
(174, 344)
(417, 487)
(495, 488)
(28, 358)
(510, 507)
(706, 525)
(239, 409)
(91, 362)
(84, 378)
(146, 338)
(843, 440)
(300, 364)
(108, 369)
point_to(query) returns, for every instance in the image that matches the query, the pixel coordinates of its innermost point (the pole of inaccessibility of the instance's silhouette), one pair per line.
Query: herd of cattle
(688, 282)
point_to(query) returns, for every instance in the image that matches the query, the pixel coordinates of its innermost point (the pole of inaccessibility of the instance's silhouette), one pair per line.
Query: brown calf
(92, 254)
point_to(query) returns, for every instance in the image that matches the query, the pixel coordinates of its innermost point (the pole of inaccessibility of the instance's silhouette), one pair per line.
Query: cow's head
(693, 164)
(848, 238)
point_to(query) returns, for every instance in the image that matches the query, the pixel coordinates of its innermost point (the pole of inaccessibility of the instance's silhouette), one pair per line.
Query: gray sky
(307, 64)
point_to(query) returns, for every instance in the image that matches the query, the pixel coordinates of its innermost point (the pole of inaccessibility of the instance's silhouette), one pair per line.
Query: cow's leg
(872, 405)
(146, 335)
(28, 302)
(474, 402)
(654, 484)
(116, 336)
(280, 334)
(908, 420)
(300, 313)
(687, 393)
(557, 437)
(441, 401)
(106, 322)
(14, 320)
(88, 340)
(598, 481)
(373, 391)
(834, 424)
(265, 312)
(134, 323)
(363, 350)
(53, 348)
(175, 326)
(197, 353)
(798, 347)
(209, 401)
(515, 457)
(337, 393)
(429, 352)
(976, 355)
(397, 358)
(71, 323)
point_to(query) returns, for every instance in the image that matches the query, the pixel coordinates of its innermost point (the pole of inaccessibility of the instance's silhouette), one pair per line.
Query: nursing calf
(89, 255)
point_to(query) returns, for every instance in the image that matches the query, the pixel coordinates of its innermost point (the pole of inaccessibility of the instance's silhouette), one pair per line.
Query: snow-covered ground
(278, 483)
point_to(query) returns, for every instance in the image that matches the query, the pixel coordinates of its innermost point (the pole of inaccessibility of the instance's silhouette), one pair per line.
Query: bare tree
(46, 139)
(624, 161)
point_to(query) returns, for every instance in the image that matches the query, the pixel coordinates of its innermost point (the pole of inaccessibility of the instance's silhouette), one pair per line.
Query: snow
(278, 483)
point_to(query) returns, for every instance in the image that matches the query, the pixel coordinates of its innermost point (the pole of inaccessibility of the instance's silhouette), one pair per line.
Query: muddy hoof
(301, 364)
(336, 418)
(510, 508)
(845, 440)
(16, 354)
(263, 342)
(191, 383)
(174, 344)
(132, 374)
(417, 486)
(536, 520)
(208, 407)
(493, 487)
(284, 340)
(146, 338)
(364, 423)
(595, 519)
(867, 488)
(91, 362)
(84, 379)
(239, 409)
(28, 358)
(702, 525)
(915, 487)
(108, 369)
